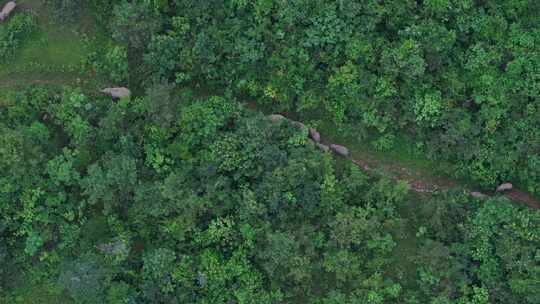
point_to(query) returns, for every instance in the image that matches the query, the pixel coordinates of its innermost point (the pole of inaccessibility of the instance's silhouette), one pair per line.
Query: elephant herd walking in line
(340, 150)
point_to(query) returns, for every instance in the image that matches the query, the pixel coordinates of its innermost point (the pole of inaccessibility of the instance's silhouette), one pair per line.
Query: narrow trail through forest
(419, 183)
(430, 186)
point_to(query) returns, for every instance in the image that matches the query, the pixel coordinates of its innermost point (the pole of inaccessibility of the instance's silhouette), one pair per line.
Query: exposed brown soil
(522, 197)
(429, 186)
(421, 184)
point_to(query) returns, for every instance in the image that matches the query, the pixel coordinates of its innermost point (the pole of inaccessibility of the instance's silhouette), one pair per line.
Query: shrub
(17, 30)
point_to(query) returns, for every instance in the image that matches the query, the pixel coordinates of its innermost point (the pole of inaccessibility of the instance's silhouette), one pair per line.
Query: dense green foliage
(206, 202)
(180, 194)
(66, 11)
(457, 77)
(14, 33)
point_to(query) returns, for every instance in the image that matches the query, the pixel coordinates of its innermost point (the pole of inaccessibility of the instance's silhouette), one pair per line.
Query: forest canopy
(223, 205)
(182, 191)
(457, 77)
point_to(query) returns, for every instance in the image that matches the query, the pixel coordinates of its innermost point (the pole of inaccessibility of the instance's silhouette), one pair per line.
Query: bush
(85, 279)
(15, 33)
(66, 11)
(110, 63)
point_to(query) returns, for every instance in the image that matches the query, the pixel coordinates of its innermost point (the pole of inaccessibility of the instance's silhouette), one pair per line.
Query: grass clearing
(53, 55)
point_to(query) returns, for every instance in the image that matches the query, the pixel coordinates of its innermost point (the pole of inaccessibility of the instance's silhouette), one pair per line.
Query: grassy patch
(51, 47)
(53, 55)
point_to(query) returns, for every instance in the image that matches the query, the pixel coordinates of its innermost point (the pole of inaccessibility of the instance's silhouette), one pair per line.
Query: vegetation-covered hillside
(459, 78)
(183, 192)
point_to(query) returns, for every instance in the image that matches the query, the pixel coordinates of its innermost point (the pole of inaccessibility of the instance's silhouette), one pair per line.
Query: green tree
(134, 23)
(85, 278)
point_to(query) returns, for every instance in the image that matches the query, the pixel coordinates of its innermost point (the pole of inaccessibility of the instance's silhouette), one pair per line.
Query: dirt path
(431, 186)
(15, 80)
(421, 183)
(522, 197)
